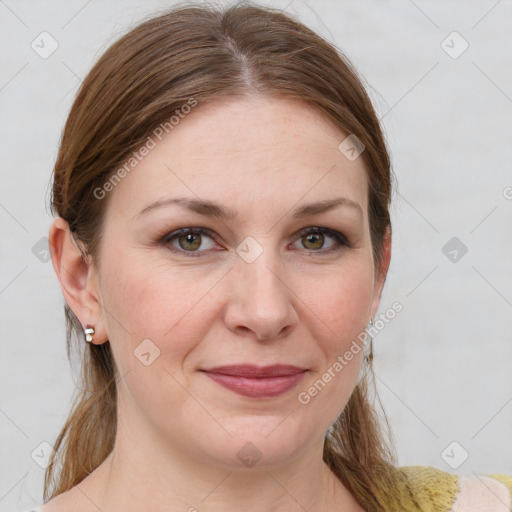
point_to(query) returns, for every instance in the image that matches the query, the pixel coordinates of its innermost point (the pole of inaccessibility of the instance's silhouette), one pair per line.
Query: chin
(259, 443)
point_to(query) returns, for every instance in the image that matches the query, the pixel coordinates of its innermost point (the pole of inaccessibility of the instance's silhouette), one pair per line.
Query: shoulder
(434, 490)
(486, 493)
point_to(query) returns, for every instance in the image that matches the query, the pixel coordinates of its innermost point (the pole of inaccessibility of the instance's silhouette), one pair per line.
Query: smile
(257, 382)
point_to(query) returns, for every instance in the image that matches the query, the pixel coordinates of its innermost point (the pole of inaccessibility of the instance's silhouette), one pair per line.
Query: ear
(77, 277)
(380, 277)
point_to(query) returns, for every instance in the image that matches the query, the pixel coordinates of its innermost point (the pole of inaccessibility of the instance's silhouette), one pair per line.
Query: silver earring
(330, 431)
(369, 357)
(89, 333)
(368, 330)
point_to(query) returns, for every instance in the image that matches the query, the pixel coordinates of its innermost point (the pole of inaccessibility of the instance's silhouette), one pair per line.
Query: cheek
(147, 298)
(338, 313)
(340, 303)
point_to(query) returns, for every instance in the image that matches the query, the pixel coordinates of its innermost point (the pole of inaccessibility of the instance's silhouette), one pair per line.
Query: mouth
(257, 381)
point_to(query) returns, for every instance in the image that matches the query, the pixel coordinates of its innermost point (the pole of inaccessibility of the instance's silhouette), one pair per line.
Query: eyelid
(183, 231)
(168, 237)
(340, 238)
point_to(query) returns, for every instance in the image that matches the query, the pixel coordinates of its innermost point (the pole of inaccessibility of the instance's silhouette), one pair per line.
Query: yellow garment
(428, 489)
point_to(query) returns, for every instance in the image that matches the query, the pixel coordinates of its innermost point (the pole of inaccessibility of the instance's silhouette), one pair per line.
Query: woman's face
(264, 275)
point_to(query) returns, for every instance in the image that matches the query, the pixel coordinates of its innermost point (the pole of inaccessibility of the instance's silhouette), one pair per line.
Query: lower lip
(265, 387)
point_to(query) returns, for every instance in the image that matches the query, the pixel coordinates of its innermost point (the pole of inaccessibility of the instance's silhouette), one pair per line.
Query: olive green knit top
(428, 489)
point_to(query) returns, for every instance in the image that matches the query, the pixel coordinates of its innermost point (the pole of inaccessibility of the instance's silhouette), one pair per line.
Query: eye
(197, 241)
(189, 240)
(315, 238)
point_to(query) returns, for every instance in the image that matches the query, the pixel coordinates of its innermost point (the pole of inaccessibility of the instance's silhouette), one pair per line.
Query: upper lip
(253, 371)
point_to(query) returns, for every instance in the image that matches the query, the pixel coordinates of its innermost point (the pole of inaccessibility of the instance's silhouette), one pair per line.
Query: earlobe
(74, 275)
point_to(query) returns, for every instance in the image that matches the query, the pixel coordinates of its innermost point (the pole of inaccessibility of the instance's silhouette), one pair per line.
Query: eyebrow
(211, 209)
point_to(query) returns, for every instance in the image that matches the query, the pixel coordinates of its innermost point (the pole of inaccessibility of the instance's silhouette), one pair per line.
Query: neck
(143, 476)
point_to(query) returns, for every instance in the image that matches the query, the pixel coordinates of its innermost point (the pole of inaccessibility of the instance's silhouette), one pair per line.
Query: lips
(257, 381)
(252, 371)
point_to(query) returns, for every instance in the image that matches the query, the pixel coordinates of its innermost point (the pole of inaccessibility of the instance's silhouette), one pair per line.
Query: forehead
(253, 151)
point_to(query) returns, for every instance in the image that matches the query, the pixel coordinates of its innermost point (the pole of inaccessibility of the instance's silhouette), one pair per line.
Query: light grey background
(444, 364)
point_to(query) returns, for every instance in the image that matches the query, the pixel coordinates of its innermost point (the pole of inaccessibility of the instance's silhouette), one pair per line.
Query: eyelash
(340, 239)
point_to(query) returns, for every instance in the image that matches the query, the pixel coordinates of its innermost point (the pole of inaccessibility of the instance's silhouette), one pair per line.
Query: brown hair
(204, 53)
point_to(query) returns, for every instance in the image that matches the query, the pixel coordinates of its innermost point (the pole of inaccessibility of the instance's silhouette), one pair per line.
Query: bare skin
(302, 302)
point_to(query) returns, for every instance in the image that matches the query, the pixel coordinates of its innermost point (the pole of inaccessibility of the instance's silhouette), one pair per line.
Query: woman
(222, 239)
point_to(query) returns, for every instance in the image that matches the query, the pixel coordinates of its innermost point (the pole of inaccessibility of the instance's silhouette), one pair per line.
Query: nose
(260, 302)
